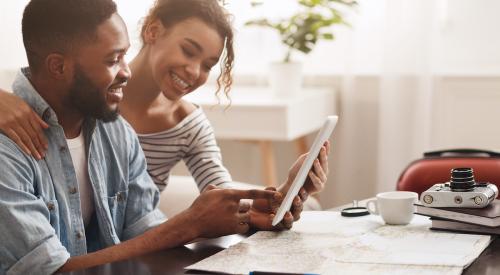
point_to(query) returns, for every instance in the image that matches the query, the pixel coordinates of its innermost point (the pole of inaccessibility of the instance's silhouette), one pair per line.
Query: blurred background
(407, 76)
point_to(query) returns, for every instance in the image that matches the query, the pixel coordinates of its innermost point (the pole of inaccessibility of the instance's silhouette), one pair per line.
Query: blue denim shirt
(41, 223)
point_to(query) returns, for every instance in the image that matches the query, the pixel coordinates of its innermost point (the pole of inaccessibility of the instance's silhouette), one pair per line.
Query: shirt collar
(23, 88)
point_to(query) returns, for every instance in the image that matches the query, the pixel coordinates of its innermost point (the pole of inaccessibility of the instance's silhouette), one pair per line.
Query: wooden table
(256, 115)
(168, 262)
(173, 261)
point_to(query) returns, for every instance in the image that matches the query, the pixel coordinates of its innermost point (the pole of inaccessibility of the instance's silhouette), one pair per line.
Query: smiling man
(90, 201)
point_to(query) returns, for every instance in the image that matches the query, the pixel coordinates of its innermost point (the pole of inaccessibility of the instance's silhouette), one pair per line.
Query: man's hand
(218, 212)
(263, 211)
(21, 124)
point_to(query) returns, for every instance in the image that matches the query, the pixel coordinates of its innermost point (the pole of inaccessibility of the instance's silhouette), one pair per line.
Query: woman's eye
(114, 61)
(187, 52)
(207, 68)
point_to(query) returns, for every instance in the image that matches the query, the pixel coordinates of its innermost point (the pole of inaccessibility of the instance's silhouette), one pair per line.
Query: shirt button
(46, 114)
(50, 206)
(72, 190)
(79, 235)
(62, 148)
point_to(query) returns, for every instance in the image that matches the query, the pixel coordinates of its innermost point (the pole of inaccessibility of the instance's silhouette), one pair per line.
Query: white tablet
(323, 135)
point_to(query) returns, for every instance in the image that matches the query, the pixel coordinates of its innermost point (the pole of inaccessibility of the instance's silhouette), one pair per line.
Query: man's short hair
(59, 25)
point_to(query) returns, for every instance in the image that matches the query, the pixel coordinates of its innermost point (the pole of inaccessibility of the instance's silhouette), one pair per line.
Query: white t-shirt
(76, 147)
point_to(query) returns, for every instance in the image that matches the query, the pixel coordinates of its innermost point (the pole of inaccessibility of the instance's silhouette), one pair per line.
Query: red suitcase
(435, 167)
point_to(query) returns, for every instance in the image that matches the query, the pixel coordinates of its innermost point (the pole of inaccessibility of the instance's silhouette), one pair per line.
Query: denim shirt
(41, 223)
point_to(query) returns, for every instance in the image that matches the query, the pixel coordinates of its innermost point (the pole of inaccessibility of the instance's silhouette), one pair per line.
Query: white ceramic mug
(394, 207)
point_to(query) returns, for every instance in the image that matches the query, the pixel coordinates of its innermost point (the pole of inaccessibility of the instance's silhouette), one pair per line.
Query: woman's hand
(21, 124)
(316, 180)
(263, 211)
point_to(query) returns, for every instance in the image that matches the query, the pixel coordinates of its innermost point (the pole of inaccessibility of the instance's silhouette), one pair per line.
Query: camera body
(461, 191)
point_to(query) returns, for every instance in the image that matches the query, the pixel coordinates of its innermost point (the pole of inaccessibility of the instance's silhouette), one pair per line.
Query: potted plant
(299, 33)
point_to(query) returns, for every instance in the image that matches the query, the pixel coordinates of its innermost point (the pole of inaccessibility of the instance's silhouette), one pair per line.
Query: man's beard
(88, 99)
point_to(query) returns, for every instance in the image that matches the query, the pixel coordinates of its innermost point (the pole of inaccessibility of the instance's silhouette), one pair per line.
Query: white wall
(468, 37)
(12, 53)
(465, 64)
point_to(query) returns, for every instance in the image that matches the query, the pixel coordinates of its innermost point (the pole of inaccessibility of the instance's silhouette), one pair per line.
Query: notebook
(455, 226)
(488, 216)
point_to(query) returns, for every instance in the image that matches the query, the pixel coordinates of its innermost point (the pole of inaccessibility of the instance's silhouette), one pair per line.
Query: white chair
(182, 191)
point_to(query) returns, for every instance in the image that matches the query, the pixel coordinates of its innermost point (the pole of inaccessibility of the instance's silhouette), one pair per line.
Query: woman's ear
(152, 31)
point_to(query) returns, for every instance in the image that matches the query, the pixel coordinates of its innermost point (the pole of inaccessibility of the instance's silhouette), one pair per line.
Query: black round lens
(462, 179)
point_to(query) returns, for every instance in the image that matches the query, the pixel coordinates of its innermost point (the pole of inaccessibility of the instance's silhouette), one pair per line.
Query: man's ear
(152, 32)
(57, 66)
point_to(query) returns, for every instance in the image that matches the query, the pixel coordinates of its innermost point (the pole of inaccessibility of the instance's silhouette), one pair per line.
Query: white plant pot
(285, 79)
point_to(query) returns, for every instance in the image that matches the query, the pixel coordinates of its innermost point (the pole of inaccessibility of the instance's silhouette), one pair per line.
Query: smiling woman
(182, 41)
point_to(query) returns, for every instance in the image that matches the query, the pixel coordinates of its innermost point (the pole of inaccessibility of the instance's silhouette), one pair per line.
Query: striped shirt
(193, 141)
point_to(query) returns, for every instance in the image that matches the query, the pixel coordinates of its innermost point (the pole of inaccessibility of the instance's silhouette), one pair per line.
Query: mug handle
(373, 211)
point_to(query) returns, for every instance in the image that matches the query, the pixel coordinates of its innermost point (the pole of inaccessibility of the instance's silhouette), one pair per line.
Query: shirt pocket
(117, 208)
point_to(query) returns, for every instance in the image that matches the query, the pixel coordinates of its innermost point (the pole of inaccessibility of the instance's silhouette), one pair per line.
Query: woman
(182, 41)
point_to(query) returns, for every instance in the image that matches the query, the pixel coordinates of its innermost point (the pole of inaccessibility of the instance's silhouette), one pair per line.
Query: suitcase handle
(464, 151)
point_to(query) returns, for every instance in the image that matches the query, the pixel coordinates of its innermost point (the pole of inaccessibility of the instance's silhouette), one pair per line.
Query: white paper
(327, 243)
(336, 268)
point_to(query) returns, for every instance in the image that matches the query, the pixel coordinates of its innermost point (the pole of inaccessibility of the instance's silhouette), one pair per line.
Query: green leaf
(305, 49)
(345, 2)
(314, 21)
(259, 22)
(327, 36)
(256, 3)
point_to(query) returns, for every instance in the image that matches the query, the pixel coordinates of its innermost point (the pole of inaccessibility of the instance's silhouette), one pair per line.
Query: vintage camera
(461, 191)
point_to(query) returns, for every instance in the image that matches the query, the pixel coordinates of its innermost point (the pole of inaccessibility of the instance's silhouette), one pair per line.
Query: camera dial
(462, 180)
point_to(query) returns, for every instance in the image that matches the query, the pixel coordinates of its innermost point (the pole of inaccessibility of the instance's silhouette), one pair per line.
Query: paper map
(324, 242)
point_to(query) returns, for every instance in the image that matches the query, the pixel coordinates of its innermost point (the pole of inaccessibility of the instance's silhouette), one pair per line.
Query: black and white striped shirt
(193, 141)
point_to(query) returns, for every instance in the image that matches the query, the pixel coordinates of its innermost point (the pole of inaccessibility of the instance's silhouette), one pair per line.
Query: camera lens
(462, 179)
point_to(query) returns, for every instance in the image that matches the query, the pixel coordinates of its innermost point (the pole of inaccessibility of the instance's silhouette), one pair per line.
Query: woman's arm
(21, 124)
(204, 161)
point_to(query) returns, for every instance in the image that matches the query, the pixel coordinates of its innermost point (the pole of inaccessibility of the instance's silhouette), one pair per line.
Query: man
(90, 201)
